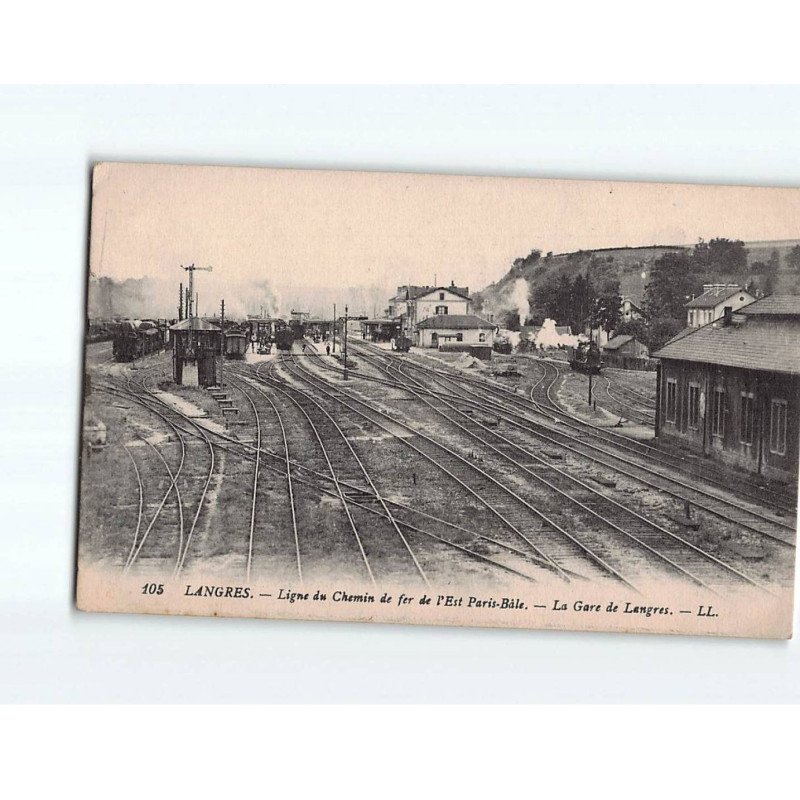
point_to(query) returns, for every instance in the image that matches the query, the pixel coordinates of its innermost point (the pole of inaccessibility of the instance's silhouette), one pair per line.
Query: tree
(673, 281)
(509, 320)
(579, 306)
(634, 327)
(606, 312)
(660, 331)
(793, 258)
(721, 256)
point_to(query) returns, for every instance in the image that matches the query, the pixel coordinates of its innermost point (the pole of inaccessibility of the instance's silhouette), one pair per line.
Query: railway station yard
(455, 535)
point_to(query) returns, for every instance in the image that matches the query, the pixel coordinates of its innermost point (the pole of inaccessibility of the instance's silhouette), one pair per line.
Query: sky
(316, 229)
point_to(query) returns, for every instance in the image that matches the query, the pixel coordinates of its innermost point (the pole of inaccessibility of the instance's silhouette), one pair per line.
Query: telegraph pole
(588, 352)
(180, 304)
(190, 311)
(345, 342)
(334, 328)
(222, 360)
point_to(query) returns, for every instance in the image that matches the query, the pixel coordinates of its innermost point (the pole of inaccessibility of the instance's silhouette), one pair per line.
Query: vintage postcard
(438, 399)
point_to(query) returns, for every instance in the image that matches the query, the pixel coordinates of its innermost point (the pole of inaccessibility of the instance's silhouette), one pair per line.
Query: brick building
(731, 389)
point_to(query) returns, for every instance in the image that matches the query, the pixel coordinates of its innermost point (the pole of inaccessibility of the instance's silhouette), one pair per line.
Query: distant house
(731, 389)
(709, 306)
(463, 328)
(630, 310)
(622, 350)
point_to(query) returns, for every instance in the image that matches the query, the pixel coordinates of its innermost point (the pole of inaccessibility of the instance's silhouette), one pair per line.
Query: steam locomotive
(586, 358)
(401, 343)
(135, 338)
(285, 336)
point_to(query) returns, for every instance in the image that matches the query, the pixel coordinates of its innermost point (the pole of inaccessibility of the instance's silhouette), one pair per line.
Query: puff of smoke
(548, 336)
(518, 299)
(512, 336)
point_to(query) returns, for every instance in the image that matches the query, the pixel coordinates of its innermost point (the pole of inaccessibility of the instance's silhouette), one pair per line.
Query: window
(746, 418)
(777, 428)
(694, 406)
(718, 413)
(672, 396)
(481, 337)
(459, 337)
(441, 309)
(441, 295)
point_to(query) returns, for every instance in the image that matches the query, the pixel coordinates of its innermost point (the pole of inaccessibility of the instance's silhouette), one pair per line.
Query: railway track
(490, 493)
(172, 528)
(627, 409)
(442, 535)
(681, 555)
(508, 561)
(541, 395)
(711, 565)
(647, 465)
(600, 545)
(628, 456)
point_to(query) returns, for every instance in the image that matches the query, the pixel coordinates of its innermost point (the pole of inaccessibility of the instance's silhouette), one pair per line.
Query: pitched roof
(195, 324)
(758, 343)
(455, 322)
(680, 334)
(461, 291)
(411, 292)
(715, 295)
(415, 292)
(617, 342)
(779, 305)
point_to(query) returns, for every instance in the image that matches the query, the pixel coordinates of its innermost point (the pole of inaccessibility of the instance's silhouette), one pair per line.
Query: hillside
(629, 267)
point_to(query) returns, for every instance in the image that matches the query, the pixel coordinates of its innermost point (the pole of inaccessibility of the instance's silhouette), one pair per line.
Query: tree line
(590, 297)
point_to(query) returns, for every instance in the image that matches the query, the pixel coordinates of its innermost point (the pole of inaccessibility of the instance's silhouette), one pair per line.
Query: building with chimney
(709, 306)
(413, 304)
(730, 390)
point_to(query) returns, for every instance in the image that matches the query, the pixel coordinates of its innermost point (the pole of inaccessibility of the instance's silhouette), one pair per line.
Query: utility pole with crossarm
(190, 310)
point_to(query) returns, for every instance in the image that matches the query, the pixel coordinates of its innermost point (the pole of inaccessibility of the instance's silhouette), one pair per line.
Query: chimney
(727, 316)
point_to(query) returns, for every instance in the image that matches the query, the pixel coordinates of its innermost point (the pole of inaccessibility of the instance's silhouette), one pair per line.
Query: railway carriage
(236, 342)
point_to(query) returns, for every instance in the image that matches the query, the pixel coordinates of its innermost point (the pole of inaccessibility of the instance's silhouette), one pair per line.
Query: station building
(467, 329)
(730, 390)
(413, 304)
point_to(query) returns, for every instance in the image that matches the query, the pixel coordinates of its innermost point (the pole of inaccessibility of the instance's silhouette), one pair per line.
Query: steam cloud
(548, 336)
(518, 299)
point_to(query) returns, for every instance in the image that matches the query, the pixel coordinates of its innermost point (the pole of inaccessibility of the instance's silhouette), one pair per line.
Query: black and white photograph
(440, 399)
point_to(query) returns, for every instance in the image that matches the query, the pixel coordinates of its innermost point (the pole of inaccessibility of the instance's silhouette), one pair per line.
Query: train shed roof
(767, 342)
(776, 305)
